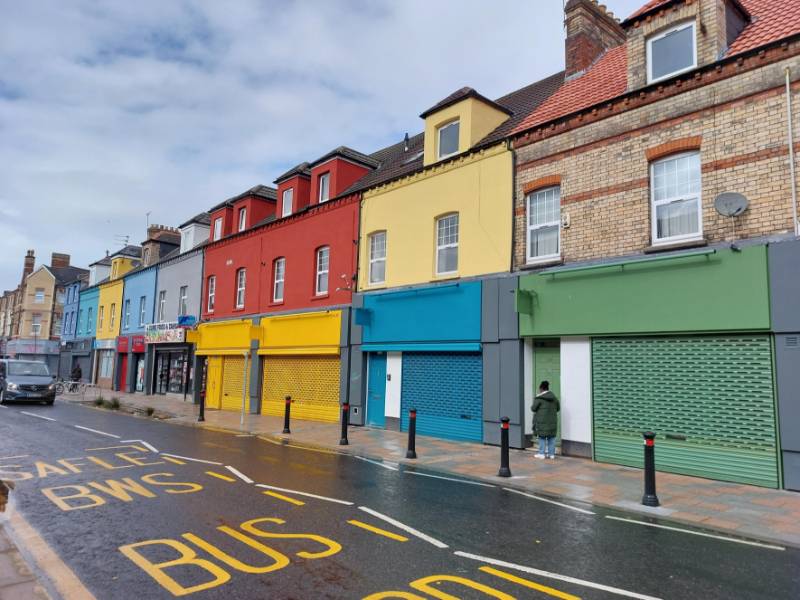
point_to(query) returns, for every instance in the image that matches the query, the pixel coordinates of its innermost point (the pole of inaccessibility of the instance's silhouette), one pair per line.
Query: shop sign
(137, 344)
(165, 333)
(122, 344)
(105, 344)
(187, 321)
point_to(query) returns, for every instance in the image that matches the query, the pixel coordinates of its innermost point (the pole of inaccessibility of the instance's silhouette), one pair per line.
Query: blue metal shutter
(446, 389)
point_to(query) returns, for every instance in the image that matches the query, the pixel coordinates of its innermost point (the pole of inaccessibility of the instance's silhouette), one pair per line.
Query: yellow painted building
(226, 346)
(109, 315)
(451, 219)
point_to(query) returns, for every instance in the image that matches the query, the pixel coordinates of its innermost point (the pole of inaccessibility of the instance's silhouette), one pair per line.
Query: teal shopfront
(679, 344)
(422, 349)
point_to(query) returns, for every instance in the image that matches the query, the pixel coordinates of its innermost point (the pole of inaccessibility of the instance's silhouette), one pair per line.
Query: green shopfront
(679, 344)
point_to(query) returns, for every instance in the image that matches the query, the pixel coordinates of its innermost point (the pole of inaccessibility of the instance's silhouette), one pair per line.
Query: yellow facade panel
(302, 333)
(109, 310)
(223, 338)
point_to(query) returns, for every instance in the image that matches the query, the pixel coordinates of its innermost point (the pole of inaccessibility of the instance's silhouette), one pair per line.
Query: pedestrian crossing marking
(221, 476)
(173, 460)
(378, 530)
(284, 498)
(530, 584)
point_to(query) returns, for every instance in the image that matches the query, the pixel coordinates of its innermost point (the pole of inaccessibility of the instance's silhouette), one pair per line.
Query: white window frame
(439, 247)
(287, 198)
(530, 259)
(183, 300)
(89, 321)
(126, 323)
(373, 260)
(37, 299)
(276, 280)
(36, 324)
(663, 34)
(320, 271)
(142, 310)
(439, 131)
(79, 322)
(241, 287)
(212, 293)
(243, 218)
(326, 177)
(101, 316)
(162, 306)
(113, 321)
(217, 229)
(653, 204)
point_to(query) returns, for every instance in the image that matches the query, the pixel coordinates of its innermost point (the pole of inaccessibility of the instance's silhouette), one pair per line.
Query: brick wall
(604, 169)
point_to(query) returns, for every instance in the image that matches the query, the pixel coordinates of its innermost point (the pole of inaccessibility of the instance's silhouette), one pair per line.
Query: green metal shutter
(709, 399)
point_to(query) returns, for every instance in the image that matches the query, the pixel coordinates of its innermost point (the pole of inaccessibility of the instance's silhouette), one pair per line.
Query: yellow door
(233, 382)
(311, 381)
(213, 382)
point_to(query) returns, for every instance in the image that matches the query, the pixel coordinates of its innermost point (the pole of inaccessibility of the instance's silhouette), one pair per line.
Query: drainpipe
(790, 121)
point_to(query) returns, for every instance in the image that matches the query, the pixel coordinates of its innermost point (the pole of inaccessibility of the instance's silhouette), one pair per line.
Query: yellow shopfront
(226, 346)
(300, 358)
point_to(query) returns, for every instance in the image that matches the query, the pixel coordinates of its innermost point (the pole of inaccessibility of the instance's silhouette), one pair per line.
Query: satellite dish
(730, 204)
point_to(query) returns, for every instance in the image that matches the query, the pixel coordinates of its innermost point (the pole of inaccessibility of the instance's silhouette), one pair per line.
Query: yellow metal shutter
(311, 381)
(233, 381)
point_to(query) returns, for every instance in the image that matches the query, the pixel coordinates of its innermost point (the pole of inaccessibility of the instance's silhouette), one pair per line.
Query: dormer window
(324, 187)
(671, 52)
(217, 229)
(242, 219)
(286, 208)
(447, 138)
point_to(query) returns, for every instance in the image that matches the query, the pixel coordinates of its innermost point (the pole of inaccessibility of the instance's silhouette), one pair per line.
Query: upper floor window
(278, 275)
(126, 322)
(36, 324)
(286, 207)
(544, 224)
(447, 139)
(324, 187)
(113, 320)
(447, 244)
(65, 325)
(675, 192)
(377, 257)
(182, 300)
(242, 219)
(241, 282)
(79, 328)
(89, 322)
(212, 293)
(217, 228)
(101, 314)
(142, 309)
(39, 296)
(146, 256)
(162, 305)
(323, 267)
(671, 52)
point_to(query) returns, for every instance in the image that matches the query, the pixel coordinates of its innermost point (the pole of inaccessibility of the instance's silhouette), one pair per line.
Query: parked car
(26, 380)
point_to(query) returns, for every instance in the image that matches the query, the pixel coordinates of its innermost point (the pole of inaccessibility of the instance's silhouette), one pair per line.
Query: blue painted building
(82, 343)
(69, 351)
(138, 311)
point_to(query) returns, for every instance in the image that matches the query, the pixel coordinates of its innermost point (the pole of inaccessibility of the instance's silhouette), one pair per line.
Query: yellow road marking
(378, 530)
(284, 498)
(220, 476)
(529, 584)
(173, 460)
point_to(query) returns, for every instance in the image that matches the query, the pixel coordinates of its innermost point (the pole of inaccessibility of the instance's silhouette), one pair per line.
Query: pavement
(745, 510)
(142, 508)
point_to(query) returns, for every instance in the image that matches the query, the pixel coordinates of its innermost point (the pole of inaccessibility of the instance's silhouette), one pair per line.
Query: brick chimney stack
(162, 233)
(58, 260)
(591, 30)
(30, 262)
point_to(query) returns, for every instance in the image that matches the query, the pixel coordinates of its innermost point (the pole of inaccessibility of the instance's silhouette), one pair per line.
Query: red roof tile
(653, 4)
(771, 20)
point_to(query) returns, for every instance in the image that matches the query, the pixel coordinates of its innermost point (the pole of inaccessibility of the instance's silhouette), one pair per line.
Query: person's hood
(548, 395)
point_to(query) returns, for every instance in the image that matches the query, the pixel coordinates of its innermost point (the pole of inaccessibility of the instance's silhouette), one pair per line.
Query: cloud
(111, 110)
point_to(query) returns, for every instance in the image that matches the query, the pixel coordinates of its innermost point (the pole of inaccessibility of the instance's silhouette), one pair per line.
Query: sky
(112, 110)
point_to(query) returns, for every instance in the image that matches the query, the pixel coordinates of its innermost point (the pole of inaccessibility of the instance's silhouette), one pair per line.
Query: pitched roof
(772, 20)
(301, 169)
(646, 8)
(202, 218)
(65, 275)
(348, 153)
(261, 191)
(458, 96)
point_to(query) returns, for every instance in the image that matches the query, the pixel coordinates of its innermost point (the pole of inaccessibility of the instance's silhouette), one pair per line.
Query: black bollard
(649, 498)
(287, 410)
(412, 434)
(345, 422)
(202, 416)
(504, 471)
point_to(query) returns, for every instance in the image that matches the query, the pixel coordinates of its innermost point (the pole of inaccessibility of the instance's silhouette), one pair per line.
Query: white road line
(244, 435)
(200, 460)
(708, 535)
(380, 464)
(239, 474)
(3, 406)
(35, 415)
(143, 443)
(448, 478)
(17, 456)
(567, 578)
(575, 508)
(405, 528)
(288, 491)
(111, 435)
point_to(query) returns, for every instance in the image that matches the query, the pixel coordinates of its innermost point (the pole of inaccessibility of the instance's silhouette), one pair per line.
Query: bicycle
(70, 387)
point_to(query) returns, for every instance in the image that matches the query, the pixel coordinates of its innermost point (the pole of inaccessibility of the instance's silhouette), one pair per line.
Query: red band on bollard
(649, 443)
(504, 425)
(345, 407)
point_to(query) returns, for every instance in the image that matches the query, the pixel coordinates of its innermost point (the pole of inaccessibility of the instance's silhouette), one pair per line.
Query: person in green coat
(545, 420)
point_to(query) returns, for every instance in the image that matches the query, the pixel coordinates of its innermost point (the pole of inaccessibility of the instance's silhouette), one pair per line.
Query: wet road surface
(138, 508)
